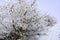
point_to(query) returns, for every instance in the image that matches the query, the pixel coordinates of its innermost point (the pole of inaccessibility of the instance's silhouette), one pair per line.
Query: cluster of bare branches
(25, 21)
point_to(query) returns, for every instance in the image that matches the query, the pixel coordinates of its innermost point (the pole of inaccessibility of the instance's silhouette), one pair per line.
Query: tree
(21, 21)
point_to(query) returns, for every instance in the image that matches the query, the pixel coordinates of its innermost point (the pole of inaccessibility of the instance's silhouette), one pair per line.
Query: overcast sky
(53, 8)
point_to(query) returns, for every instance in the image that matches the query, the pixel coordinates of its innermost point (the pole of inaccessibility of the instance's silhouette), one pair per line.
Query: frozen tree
(20, 20)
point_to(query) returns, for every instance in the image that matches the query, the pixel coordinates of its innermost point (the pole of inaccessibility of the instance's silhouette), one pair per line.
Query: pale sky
(53, 8)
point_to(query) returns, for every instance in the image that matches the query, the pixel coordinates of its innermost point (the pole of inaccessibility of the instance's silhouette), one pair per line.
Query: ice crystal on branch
(20, 20)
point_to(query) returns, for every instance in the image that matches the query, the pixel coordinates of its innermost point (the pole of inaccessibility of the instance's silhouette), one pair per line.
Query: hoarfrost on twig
(22, 21)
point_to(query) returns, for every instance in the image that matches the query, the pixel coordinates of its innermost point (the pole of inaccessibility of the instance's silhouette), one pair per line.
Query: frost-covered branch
(22, 21)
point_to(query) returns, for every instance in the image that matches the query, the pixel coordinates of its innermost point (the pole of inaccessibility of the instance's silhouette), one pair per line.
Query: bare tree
(23, 22)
